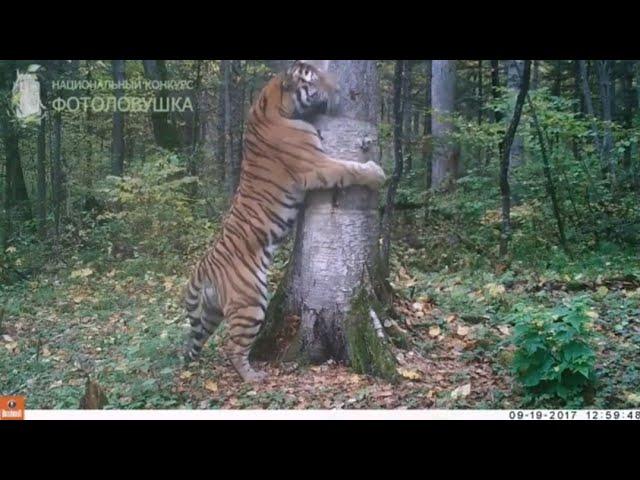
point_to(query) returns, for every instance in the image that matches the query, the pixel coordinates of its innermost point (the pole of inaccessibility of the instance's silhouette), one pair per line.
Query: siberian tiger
(283, 158)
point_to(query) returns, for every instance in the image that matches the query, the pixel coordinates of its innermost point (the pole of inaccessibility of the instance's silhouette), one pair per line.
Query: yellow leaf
(186, 375)
(461, 392)
(633, 399)
(494, 290)
(410, 374)
(82, 273)
(504, 329)
(211, 386)
(434, 331)
(601, 292)
(463, 331)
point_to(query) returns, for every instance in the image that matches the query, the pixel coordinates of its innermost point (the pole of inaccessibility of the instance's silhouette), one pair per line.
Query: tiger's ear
(291, 73)
(298, 65)
(322, 65)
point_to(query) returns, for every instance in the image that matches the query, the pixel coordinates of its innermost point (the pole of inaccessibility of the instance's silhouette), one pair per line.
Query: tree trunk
(577, 86)
(514, 74)
(556, 86)
(221, 127)
(17, 206)
(536, 75)
(195, 137)
(322, 308)
(588, 102)
(16, 187)
(505, 149)
(41, 172)
(495, 86)
(117, 133)
(164, 132)
(427, 141)
(630, 105)
(480, 93)
(407, 109)
(604, 80)
(398, 106)
(56, 170)
(239, 114)
(232, 174)
(549, 184)
(445, 154)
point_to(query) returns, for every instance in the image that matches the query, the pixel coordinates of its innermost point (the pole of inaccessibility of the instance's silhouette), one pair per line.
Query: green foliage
(152, 211)
(554, 355)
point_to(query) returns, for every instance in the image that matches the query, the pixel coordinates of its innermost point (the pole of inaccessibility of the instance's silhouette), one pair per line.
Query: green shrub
(554, 358)
(152, 211)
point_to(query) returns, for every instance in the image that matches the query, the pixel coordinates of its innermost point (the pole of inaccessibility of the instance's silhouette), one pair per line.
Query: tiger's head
(310, 89)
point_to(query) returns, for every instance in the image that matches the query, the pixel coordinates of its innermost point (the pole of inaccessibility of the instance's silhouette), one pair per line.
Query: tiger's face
(311, 89)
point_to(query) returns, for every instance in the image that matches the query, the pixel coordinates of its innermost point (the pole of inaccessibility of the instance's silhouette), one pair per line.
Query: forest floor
(122, 323)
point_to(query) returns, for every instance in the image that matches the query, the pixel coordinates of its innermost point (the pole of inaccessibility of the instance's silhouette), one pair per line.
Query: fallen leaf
(383, 393)
(450, 318)
(494, 290)
(410, 374)
(82, 273)
(462, 331)
(633, 399)
(434, 331)
(504, 329)
(461, 392)
(400, 359)
(211, 386)
(186, 375)
(601, 292)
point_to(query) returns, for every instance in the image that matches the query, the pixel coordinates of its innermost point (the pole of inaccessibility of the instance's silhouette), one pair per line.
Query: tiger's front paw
(375, 175)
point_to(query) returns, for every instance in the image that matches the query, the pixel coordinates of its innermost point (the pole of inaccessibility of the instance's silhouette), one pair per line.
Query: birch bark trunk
(336, 243)
(443, 89)
(514, 81)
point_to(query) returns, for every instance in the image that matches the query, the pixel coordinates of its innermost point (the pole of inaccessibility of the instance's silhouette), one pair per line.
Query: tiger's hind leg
(244, 326)
(204, 316)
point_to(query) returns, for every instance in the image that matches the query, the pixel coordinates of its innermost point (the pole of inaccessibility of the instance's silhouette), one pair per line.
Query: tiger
(282, 159)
